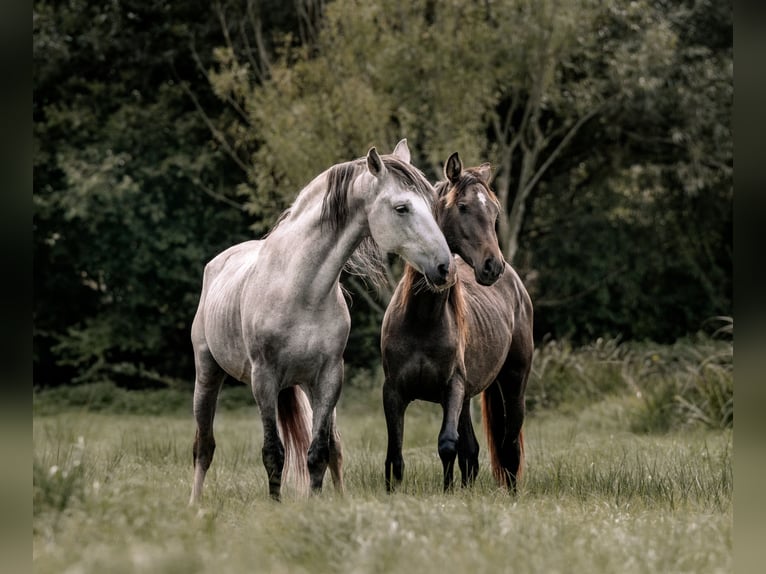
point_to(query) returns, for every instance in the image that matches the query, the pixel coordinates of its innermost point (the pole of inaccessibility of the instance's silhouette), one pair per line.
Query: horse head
(467, 212)
(400, 215)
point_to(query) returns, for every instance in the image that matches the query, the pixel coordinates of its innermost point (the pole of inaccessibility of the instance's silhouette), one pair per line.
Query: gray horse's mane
(367, 261)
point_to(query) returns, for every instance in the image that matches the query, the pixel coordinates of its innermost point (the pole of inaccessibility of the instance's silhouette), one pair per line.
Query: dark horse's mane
(468, 178)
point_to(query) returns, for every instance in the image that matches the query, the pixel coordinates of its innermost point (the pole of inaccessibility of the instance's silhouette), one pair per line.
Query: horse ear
(453, 168)
(402, 151)
(485, 172)
(374, 163)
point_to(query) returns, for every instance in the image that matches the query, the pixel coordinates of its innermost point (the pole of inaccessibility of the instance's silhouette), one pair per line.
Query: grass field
(111, 492)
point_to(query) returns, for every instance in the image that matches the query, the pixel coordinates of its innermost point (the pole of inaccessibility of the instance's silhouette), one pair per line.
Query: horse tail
(494, 412)
(294, 416)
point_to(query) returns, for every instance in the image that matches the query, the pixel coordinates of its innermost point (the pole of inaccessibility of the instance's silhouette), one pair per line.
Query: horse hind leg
(336, 456)
(265, 387)
(467, 446)
(207, 385)
(325, 442)
(503, 411)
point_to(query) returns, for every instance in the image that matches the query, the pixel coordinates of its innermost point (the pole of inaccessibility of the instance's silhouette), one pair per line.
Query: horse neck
(308, 250)
(426, 306)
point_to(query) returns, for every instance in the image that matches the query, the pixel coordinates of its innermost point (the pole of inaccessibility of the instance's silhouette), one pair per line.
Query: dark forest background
(166, 131)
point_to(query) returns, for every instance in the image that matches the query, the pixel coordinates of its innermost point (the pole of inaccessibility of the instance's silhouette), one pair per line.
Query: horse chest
(422, 368)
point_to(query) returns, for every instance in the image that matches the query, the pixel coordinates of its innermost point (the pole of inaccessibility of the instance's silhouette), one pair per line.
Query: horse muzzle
(442, 276)
(490, 271)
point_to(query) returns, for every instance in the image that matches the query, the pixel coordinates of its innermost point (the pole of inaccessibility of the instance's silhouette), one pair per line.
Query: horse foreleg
(394, 407)
(207, 385)
(452, 404)
(467, 446)
(324, 396)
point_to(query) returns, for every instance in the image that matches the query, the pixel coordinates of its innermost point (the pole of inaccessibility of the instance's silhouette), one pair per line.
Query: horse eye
(402, 209)
(462, 207)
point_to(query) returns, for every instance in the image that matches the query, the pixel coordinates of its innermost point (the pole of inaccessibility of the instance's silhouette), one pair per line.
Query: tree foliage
(125, 178)
(166, 132)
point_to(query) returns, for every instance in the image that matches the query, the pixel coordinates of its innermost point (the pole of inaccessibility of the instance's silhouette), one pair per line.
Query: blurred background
(165, 132)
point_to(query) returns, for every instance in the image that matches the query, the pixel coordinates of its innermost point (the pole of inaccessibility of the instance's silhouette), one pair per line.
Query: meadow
(607, 487)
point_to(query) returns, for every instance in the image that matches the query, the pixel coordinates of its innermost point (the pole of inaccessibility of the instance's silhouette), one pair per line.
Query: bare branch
(218, 196)
(249, 51)
(230, 100)
(224, 27)
(562, 144)
(263, 55)
(582, 293)
(217, 134)
(360, 290)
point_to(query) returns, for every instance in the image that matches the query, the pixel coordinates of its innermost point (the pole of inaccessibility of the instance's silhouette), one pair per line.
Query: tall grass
(111, 491)
(684, 385)
(629, 469)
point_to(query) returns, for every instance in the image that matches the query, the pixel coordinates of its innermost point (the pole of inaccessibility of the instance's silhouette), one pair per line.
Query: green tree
(129, 194)
(165, 132)
(620, 110)
(633, 235)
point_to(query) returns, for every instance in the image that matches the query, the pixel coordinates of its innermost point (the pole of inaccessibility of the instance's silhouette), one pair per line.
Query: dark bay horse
(272, 313)
(475, 337)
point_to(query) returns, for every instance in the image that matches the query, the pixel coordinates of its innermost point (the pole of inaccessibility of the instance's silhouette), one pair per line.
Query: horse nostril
(491, 270)
(443, 270)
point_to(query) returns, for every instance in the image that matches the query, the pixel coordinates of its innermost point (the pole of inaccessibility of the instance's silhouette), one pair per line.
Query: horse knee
(447, 447)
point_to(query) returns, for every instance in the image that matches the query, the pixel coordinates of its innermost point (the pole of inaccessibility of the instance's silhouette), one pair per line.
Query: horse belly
(223, 337)
(485, 355)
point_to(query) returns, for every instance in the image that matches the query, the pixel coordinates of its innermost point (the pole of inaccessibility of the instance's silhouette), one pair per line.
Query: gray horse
(272, 313)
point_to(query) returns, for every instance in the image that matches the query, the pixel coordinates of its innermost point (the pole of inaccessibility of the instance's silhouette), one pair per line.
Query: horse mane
(413, 282)
(367, 261)
(469, 177)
